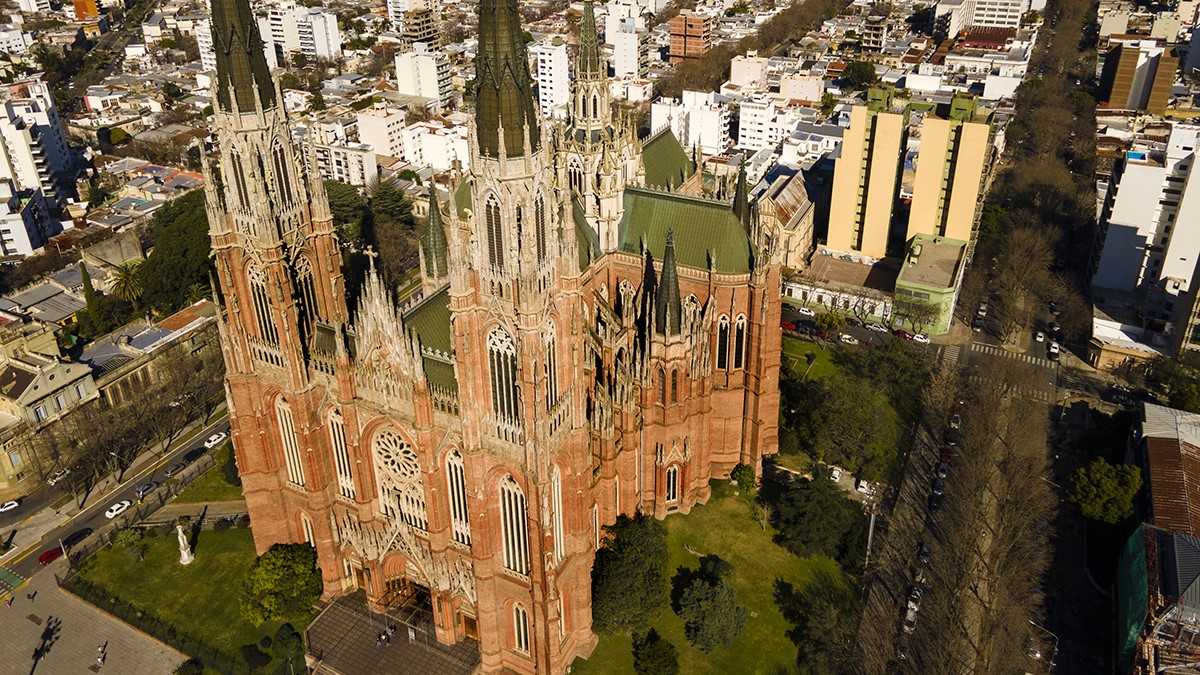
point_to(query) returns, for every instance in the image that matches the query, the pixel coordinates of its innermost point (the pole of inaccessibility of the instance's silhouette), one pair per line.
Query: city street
(55, 527)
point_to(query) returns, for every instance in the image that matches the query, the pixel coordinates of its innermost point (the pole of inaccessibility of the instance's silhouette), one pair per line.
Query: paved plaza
(65, 632)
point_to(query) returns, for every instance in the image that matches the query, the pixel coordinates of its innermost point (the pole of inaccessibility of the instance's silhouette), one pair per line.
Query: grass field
(795, 358)
(201, 599)
(725, 527)
(212, 487)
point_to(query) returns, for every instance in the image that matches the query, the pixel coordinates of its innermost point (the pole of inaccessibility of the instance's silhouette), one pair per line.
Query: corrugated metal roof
(790, 196)
(1170, 463)
(703, 229)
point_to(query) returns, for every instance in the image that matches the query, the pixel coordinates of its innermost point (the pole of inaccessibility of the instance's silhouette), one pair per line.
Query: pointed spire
(588, 65)
(741, 200)
(668, 308)
(503, 87)
(435, 239)
(242, 72)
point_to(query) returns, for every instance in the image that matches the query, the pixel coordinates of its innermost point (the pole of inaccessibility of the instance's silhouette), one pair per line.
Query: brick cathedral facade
(588, 344)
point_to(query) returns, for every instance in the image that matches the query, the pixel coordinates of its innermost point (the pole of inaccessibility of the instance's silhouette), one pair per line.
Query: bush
(282, 582)
(190, 667)
(743, 475)
(244, 521)
(653, 655)
(221, 525)
(265, 643)
(255, 657)
(229, 469)
(288, 643)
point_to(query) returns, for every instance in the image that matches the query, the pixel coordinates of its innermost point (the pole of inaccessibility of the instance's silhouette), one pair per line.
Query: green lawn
(724, 527)
(795, 353)
(201, 599)
(211, 486)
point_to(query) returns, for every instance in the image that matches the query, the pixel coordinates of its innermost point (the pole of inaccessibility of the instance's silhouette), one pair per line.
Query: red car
(787, 325)
(903, 334)
(50, 556)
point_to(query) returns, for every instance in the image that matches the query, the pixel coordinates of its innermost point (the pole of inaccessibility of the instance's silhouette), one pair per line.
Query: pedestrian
(378, 642)
(391, 631)
(33, 596)
(8, 602)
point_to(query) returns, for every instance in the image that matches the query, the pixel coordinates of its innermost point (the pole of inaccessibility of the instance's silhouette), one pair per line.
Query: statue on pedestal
(185, 551)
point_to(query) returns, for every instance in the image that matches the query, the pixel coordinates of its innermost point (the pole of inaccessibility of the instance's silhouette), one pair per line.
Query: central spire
(503, 86)
(242, 72)
(588, 65)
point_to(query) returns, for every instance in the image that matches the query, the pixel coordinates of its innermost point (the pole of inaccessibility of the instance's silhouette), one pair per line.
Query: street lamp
(1036, 654)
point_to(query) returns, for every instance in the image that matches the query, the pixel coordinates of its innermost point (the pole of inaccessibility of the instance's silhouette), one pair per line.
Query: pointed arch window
(549, 344)
(557, 515)
(457, 476)
(539, 224)
(723, 343)
(662, 387)
(672, 491)
(281, 173)
(521, 629)
(739, 342)
(306, 290)
(401, 490)
(575, 177)
(341, 455)
(495, 233)
(239, 177)
(307, 526)
(502, 359)
(514, 530)
(262, 306)
(291, 448)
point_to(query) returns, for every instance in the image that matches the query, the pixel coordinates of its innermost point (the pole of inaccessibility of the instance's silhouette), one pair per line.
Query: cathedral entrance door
(470, 627)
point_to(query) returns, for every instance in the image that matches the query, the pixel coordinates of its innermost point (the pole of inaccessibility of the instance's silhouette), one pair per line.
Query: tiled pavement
(68, 631)
(342, 638)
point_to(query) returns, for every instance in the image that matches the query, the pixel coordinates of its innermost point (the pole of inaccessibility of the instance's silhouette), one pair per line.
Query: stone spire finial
(741, 198)
(588, 65)
(668, 306)
(242, 72)
(503, 87)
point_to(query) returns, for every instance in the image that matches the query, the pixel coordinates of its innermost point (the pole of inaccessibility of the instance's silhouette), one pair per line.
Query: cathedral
(589, 343)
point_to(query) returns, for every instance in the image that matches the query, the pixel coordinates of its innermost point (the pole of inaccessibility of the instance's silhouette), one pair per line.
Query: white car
(116, 509)
(848, 339)
(921, 338)
(57, 477)
(214, 440)
(1054, 349)
(9, 506)
(835, 473)
(877, 328)
(804, 311)
(1039, 336)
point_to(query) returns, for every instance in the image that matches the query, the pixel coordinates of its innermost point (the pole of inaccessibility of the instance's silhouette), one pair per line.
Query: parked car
(71, 540)
(947, 455)
(876, 328)
(174, 469)
(215, 440)
(920, 338)
(1039, 336)
(1053, 307)
(787, 325)
(1120, 395)
(914, 598)
(145, 489)
(942, 469)
(50, 556)
(1052, 351)
(848, 339)
(117, 509)
(935, 502)
(193, 455)
(923, 553)
(864, 486)
(982, 311)
(910, 620)
(9, 506)
(955, 421)
(804, 311)
(939, 486)
(835, 473)
(977, 324)
(903, 334)
(61, 474)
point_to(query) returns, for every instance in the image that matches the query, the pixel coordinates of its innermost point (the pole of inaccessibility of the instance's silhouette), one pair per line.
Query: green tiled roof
(462, 196)
(700, 227)
(667, 165)
(586, 239)
(439, 373)
(430, 320)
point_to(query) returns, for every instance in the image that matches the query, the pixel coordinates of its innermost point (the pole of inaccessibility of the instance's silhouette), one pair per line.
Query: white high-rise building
(955, 16)
(383, 129)
(631, 51)
(1151, 219)
(553, 75)
(307, 30)
(397, 8)
(34, 153)
(756, 124)
(34, 6)
(437, 145)
(424, 72)
(621, 14)
(348, 162)
(25, 224)
(698, 118)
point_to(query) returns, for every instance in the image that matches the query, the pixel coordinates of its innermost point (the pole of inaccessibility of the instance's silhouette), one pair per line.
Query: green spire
(588, 65)
(435, 239)
(503, 86)
(741, 200)
(241, 65)
(668, 308)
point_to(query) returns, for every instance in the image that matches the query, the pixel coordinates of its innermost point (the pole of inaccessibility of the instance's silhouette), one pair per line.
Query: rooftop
(932, 261)
(828, 267)
(1173, 461)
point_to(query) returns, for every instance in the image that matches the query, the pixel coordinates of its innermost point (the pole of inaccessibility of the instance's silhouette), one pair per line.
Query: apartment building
(304, 30)
(866, 177)
(631, 57)
(34, 6)
(698, 119)
(25, 224)
(85, 10)
(553, 75)
(437, 145)
(420, 26)
(34, 152)
(691, 35)
(951, 17)
(749, 71)
(382, 128)
(348, 162)
(951, 164)
(208, 54)
(1138, 75)
(424, 72)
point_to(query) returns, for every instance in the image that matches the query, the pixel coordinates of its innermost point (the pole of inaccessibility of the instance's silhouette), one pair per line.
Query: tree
(652, 655)
(180, 257)
(130, 539)
(118, 135)
(828, 104)
(708, 607)
(743, 475)
(287, 643)
(1104, 491)
(828, 322)
(629, 583)
(388, 201)
(127, 282)
(853, 425)
(917, 312)
(282, 582)
(347, 208)
(190, 667)
(860, 74)
(816, 518)
(823, 614)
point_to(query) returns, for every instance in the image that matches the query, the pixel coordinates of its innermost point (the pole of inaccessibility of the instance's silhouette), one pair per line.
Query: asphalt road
(26, 564)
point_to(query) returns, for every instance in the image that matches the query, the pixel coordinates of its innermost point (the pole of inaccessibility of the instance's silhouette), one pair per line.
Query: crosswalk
(1040, 395)
(949, 355)
(993, 350)
(8, 580)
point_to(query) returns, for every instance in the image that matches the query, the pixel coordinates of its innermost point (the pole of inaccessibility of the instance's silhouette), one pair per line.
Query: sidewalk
(68, 631)
(31, 530)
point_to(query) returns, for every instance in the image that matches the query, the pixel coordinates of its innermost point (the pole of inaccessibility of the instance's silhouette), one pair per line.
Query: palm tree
(127, 282)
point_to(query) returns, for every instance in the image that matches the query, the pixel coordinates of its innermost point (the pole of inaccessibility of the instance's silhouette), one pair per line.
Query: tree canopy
(180, 257)
(860, 74)
(814, 517)
(1105, 491)
(708, 604)
(629, 583)
(282, 582)
(652, 655)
